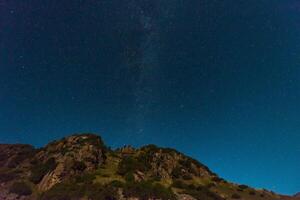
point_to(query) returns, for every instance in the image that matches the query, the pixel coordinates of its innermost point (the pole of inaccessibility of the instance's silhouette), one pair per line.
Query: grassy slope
(108, 173)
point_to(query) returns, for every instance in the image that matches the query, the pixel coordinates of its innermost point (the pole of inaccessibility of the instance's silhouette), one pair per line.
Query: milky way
(218, 80)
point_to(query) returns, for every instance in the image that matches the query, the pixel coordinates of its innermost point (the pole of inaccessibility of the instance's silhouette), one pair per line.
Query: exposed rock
(73, 155)
(52, 178)
(139, 176)
(168, 164)
(11, 155)
(127, 150)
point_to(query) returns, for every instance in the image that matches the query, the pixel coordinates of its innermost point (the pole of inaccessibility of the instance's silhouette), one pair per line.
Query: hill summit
(82, 167)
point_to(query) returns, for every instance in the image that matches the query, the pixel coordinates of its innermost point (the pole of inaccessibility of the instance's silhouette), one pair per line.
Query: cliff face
(82, 167)
(69, 157)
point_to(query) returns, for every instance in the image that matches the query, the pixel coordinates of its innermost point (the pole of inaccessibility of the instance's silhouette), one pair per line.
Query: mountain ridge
(297, 195)
(82, 167)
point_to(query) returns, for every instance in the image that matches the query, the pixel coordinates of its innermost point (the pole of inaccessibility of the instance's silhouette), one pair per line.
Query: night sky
(217, 80)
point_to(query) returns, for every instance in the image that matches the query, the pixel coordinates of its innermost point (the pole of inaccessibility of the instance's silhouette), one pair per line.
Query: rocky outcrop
(73, 155)
(12, 155)
(167, 163)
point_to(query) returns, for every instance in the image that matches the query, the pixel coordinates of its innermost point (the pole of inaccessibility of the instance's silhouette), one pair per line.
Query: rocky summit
(81, 167)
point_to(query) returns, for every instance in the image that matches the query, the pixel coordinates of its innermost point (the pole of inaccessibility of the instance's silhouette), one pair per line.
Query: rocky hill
(81, 167)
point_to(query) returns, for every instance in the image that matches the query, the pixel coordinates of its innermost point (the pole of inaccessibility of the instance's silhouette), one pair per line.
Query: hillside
(82, 167)
(297, 195)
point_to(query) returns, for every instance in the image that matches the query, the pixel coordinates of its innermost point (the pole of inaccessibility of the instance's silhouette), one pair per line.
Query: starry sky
(217, 80)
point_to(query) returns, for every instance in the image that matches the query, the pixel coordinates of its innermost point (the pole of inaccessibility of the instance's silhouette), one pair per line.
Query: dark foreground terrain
(82, 167)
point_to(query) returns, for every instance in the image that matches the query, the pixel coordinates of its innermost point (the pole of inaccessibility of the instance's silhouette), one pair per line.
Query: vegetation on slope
(81, 166)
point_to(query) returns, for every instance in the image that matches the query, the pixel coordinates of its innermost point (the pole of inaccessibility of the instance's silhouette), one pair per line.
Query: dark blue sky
(218, 80)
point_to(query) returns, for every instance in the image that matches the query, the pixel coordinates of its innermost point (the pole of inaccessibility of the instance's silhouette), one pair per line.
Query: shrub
(243, 187)
(74, 190)
(100, 192)
(179, 184)
(129, 177)
(170, 151)
(145, 159)
(155, 178)
(79, 166)
(188, 187)
(147, 190)
(210, 185)
(40, 170)
(192, 187)
(176, 173)
(126, 165)
(187, 177)
(235, 196)
(117, 184)
(64, 191)
(130, 164)
(159, 191)
(150, 147)
(20, 188)
(217, 179)
(85, 178)
(185, 163)
(7, 176)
